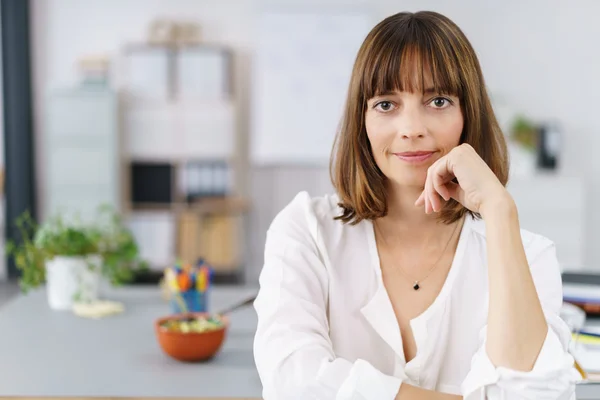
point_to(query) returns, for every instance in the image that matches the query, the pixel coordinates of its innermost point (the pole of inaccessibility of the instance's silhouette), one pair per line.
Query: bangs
(414, 61)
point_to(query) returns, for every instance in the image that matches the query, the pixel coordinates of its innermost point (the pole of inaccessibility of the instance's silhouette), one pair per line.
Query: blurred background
(199, 120)
(196, 122)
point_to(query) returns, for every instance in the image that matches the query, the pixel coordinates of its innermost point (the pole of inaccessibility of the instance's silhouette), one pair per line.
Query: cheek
(449, 131)
(380, 133)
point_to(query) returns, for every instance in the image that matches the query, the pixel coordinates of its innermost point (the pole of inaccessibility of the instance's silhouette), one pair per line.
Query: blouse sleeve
(553, 375)
(292, 348)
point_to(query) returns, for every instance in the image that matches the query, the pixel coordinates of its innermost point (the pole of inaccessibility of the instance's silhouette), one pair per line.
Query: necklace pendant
(416, 285)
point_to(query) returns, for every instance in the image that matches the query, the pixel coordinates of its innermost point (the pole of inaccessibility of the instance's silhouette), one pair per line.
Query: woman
(414, 281)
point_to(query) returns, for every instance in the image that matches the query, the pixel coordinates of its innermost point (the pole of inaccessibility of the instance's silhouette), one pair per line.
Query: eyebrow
(386, 93)
(427, 91)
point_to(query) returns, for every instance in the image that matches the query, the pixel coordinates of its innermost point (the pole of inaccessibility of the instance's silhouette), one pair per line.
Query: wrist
(501, 205)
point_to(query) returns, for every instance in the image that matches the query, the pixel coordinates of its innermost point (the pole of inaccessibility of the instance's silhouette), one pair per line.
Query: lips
(414, 156)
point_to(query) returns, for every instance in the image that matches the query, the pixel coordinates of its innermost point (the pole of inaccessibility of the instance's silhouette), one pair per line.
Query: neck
(407, 222)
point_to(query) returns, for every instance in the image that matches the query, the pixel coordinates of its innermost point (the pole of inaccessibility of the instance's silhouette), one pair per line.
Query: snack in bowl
(193, 324)
(191, 336)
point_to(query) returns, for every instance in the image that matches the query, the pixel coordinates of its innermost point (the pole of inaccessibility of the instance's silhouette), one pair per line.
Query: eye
(440, 103)
(384, 106)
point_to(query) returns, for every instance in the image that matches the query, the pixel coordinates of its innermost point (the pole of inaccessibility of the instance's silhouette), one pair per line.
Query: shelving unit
(179, 156)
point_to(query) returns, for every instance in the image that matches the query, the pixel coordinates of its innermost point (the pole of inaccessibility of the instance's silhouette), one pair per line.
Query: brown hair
(393, 57)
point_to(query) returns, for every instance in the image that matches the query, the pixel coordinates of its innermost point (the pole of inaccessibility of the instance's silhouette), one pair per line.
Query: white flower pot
(105, 287)
(70, 278)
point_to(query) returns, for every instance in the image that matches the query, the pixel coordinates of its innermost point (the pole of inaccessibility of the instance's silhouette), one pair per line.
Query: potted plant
(118, 248)
(524, 132)
(72, 258)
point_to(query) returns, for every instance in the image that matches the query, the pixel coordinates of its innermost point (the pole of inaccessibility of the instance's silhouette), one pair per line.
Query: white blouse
(327, 329)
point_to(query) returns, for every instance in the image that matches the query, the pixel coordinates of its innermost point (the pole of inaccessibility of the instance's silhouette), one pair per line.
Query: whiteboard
(302, 68)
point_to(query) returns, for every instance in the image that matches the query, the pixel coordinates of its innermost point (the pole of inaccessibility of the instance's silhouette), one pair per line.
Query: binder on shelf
(206, 179)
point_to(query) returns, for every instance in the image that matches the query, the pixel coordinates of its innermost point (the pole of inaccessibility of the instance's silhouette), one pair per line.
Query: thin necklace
(417, 283)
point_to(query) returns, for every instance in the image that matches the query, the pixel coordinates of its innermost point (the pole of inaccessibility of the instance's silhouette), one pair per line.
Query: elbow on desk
(302, 374)
(292, 385)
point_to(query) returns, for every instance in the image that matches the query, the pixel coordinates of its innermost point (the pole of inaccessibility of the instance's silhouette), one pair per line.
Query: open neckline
(419, 320)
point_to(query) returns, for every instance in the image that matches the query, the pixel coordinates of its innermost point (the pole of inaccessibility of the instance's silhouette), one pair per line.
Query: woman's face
(409, 131)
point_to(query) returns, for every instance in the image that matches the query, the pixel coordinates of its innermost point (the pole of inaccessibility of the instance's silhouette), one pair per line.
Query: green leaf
(107, 237)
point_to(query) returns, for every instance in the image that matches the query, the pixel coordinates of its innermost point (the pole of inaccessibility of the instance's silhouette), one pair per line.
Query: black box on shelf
(151, 183)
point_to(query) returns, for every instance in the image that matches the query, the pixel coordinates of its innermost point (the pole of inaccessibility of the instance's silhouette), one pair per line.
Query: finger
(443, 174)
(433, 197)
(429, 208)
(441, 189)
(436, 200)
(427, 190)
(421, 200)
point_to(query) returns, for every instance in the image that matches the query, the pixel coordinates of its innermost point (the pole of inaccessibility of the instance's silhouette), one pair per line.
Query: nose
(411, 125)
(413, 135)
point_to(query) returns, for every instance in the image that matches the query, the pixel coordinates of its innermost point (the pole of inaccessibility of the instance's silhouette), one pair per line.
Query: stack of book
(586, 338)
(586, 296)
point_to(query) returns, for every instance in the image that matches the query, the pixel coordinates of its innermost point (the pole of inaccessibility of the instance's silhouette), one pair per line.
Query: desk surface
(52, 353)
(47, 353)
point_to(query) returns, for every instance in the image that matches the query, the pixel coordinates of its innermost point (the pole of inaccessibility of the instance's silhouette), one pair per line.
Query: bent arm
(516, 323)
(523, 351)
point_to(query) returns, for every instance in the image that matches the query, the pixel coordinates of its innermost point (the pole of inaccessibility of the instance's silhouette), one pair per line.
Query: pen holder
(190, 301)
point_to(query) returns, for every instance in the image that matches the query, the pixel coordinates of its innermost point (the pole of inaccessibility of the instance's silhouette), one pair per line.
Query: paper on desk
(594, 329)
(587, 355)
(98, 309)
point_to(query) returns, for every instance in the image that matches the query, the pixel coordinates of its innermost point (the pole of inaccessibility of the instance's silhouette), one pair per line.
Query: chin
(409, 179)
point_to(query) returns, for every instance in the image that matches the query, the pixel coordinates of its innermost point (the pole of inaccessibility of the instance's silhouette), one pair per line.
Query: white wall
(538, 56)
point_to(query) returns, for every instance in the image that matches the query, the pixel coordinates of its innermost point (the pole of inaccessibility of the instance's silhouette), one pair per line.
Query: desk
(592, 390)
(56, 354)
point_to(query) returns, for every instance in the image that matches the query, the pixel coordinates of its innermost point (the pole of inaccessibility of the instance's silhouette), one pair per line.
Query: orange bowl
(190, 346)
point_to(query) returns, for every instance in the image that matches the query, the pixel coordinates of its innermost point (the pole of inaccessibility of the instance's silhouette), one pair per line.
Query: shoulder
(534, 244)
(306, 228)
(307, 213)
